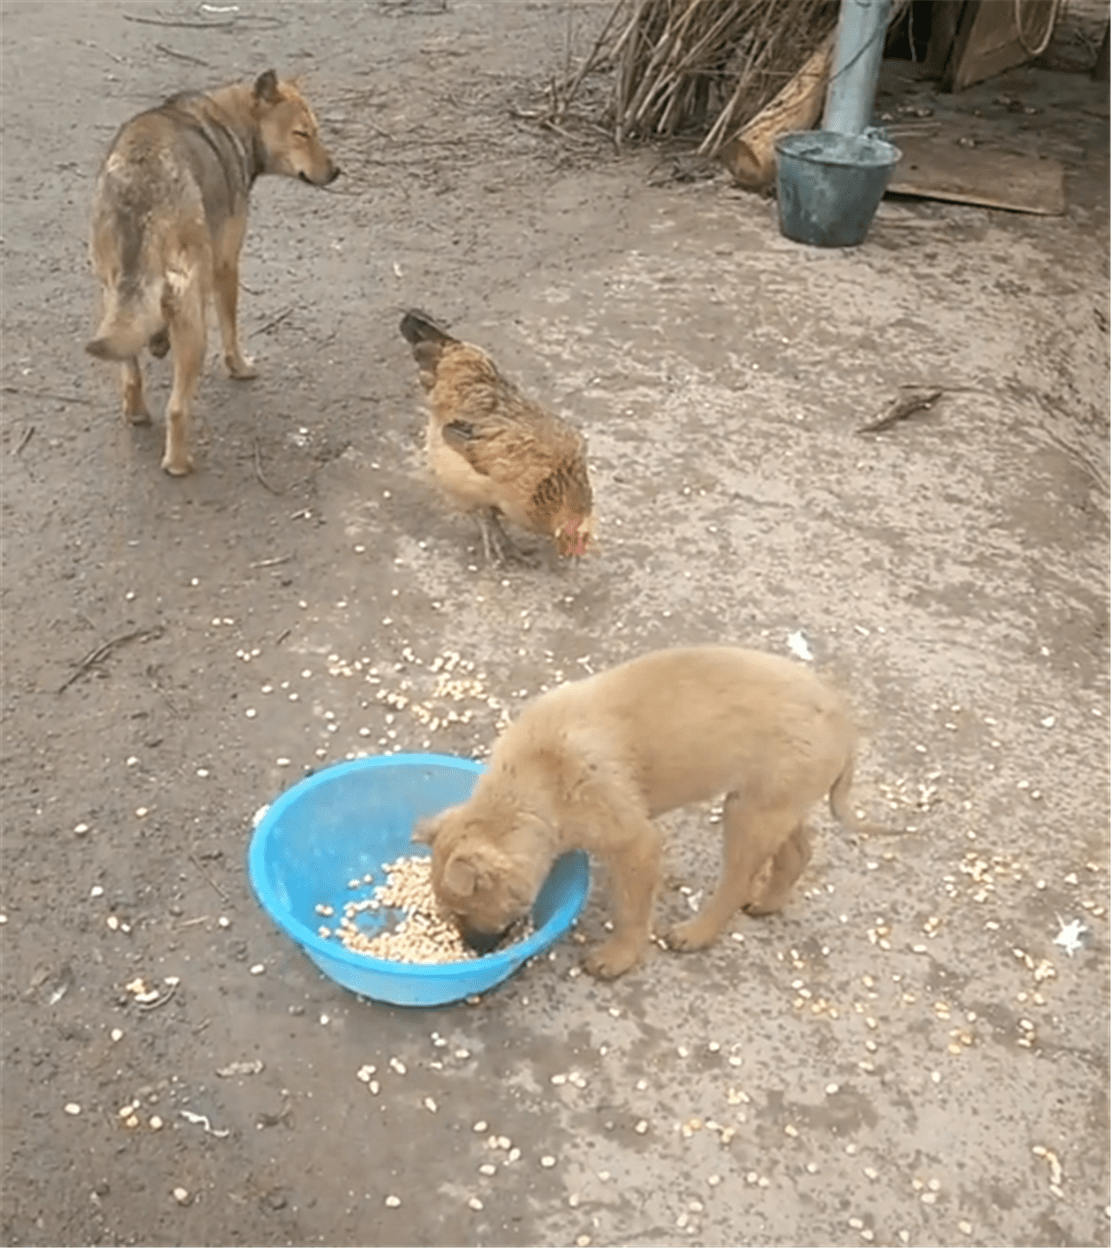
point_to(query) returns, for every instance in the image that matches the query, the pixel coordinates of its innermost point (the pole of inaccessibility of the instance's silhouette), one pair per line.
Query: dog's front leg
(634, 870)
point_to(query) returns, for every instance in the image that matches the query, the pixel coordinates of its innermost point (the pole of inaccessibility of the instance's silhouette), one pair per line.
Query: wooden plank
(938, 168)
(945, 16)
(988, 40)
(1101, 70)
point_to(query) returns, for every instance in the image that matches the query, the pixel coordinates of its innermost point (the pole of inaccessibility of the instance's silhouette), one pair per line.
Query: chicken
(495, 452)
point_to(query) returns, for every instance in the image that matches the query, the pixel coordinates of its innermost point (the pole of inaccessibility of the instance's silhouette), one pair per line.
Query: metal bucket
(830, 185)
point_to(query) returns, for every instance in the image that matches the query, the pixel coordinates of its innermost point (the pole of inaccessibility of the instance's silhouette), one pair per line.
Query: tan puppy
(168, 223)
(589, 765)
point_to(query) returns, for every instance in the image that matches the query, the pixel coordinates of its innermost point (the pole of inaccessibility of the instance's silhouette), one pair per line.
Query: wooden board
(938, 168)
(945, 18)
(988, 39)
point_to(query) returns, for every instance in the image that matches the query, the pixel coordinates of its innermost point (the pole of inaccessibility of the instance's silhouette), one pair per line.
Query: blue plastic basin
(345, 823)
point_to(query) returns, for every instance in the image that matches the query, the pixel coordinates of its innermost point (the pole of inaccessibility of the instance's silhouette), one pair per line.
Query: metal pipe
(861, 31)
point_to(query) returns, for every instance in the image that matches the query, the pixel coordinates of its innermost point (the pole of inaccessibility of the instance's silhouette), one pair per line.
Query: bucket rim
(883, 152)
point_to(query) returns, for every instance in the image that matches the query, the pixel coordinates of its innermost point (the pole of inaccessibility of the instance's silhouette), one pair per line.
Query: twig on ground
(208, 878)
(182, 56)
(94, 656)
(157, 21)
(88, 43)
(1084, 460)
(258, 470)
(46, 394)
(902, 408)
(546, 123)
(282, 316)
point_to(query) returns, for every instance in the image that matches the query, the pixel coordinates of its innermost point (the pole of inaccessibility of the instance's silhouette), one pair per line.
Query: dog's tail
(131, 319)
(842, 809)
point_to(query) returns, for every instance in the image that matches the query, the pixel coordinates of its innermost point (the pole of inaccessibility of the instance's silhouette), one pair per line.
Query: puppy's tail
(131, 319)
(842, 809)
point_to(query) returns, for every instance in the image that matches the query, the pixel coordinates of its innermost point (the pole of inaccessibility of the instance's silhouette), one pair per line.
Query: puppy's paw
(693, 934)
(611, 959)
(764, 906)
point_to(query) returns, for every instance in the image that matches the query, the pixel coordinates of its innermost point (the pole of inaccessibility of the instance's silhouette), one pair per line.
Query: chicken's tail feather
(418, 327)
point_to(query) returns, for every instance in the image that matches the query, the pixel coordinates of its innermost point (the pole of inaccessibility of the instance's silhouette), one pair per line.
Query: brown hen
(495, 452)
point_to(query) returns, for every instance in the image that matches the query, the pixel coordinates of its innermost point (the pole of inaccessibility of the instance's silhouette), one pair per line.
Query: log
(750, 155)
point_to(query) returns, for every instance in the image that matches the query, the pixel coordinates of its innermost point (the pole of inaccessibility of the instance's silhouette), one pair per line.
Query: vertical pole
(861, 31)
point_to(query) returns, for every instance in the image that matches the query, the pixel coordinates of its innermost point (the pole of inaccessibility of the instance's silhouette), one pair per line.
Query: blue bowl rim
(507, 959)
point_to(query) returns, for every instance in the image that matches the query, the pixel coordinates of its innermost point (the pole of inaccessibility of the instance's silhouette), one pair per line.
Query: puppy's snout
(483, 942)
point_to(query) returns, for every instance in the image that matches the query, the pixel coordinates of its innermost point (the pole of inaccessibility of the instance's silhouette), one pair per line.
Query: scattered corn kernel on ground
(915, 1051)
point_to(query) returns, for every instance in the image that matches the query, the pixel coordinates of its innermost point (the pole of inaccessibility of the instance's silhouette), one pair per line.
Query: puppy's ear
(466, 873)
(460, 876)
(424, 831)
(266, 88)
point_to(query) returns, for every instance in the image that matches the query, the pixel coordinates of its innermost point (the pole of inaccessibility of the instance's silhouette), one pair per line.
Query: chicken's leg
(493, 535)
(498, 546)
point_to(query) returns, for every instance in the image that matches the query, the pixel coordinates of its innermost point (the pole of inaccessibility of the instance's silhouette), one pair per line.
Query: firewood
(750, 155)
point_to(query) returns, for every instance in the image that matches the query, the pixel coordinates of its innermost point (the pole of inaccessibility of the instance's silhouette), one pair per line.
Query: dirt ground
(906, 1055)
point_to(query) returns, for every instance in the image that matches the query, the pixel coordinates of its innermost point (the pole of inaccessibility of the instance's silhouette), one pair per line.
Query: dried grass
(701, 68)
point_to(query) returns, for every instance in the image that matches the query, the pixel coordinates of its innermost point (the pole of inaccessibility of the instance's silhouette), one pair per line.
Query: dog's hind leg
(131, 383)
(634, 876)
(225, 275)
(187, 342)
(788, 864)
(751, 835)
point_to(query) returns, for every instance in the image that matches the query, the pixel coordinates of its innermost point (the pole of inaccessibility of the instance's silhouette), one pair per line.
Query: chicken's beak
(574, 539)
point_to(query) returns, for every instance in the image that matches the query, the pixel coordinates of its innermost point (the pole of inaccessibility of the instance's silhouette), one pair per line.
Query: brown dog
(168, 223)
(588, 766)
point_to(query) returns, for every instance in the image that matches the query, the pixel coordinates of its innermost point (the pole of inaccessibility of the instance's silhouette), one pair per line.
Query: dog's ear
(424, 831)
(266, 88)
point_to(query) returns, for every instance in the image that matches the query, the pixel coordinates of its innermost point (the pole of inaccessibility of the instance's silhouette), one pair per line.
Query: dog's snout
(325, 179)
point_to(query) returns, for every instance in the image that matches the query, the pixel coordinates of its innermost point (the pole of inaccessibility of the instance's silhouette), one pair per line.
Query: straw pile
(703, 68)
(708, 66)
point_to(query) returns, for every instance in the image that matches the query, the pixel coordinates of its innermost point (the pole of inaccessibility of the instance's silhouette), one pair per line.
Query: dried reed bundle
(706, 67)
(701, 67)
